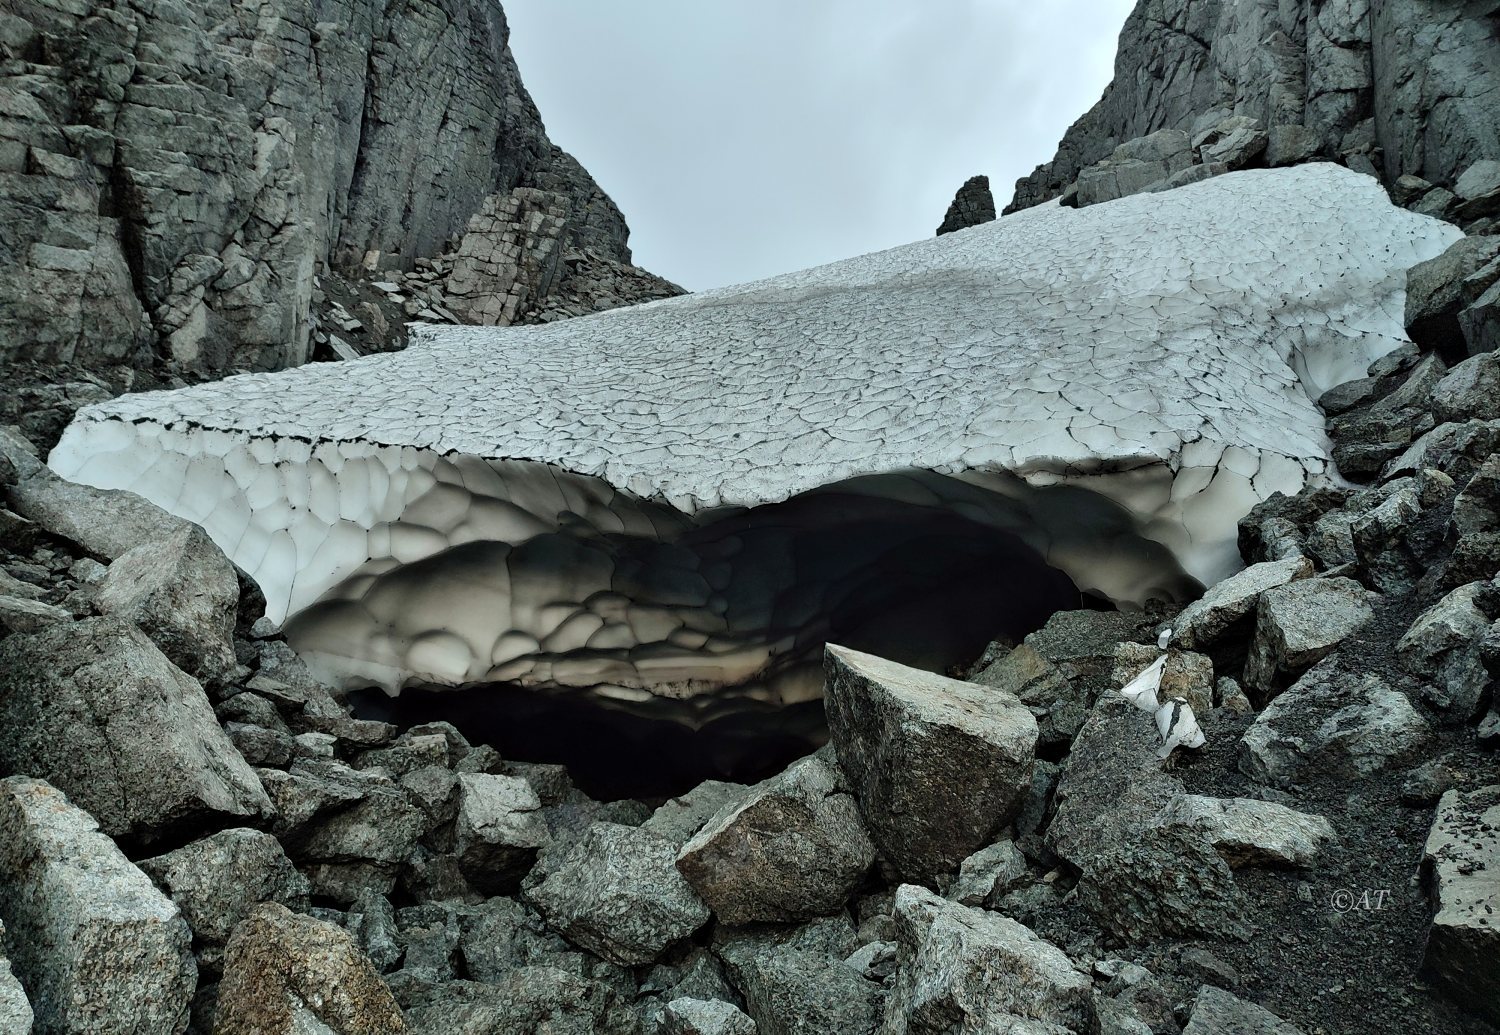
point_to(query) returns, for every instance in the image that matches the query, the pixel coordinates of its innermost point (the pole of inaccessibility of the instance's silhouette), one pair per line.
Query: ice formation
(683, 500)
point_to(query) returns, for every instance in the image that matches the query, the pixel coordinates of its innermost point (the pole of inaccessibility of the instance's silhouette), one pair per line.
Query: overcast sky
(743, 139)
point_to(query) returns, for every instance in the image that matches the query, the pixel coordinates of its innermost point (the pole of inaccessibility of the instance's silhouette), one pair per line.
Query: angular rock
(498, 831)
(1249, 832)
(1291, 144)
(1299, 624)
(286, 974)
(1478, 190)
(1235, 142)
(95, 708)
(1203, 622)
(15, 1011)
(937, 765)
(1461, 866)
(23, 615)
(678, 819)
(972, 205)
(1469, 391)
(98, 947)
(1216, 1012)
(988, 874)
(1442, 647)
(1334, 723)
(793, 849)
(1163, 883)
(183, 593)
(617, 893)
(963, 969)
(545, 998)
(1480, 323)
(105, 522)
(794, 981)
(710, 1016)
(1135, 166)
(218, 880)
(1434, 294)
(1186, 675)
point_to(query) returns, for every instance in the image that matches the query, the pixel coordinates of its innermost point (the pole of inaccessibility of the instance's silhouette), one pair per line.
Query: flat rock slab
(1249, 832)
(95, 708)
(794, 849)
(1226, 603)
(97, 946)
(1461, 862)
(1217, 1012)
(938, 766)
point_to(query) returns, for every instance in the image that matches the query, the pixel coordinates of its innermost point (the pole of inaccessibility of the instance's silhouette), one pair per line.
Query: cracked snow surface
(686, 496)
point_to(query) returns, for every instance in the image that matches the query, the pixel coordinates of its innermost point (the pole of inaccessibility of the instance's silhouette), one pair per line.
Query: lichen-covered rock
(937, 765)
(617, 893)
(972, 205)
(217, 880)
(1226, 603)
(104, 522)
(1442, 647)
(95, 708)
(285, 974)
(1298, 624)
(970, 969)
(1163, 883)
(1217, 1012)
(15, 1010)
(498, 831)
(793, 849)
(183, 593)
(679, 818)
(1461, 864)
(794, 981)
(98, 947)
(1332, 722)
(988, 874)
(706, 1016)
(1249, 832)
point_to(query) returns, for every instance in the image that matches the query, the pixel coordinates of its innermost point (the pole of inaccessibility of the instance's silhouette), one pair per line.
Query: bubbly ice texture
(682, 499)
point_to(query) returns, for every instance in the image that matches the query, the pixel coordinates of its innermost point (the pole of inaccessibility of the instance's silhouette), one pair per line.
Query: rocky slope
(1402, 88)
(178, 179)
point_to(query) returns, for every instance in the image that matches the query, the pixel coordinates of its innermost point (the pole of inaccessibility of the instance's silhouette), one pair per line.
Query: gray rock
(99, 948)
(794, 985)
(498, 831)
(1434, 293)
(1248, 832)
(182, 592)
(706, 1016)
(1192, 174)
(1207, 619)
(1332, 722)
(217, 880)
(793, 849)
(617, 893)
(1480, 322)
(1186, 675)
(95, 708)
(1216, 1012)
(1469, 391)
(1460, 864)
(105, 522)
(1442, 647)
(988, 874)
(937, 766)
(371, 922)
(24, 615)
(15, 1010)
(875, 961)
(286, 974)
(1291, 144)
(1299, 624)
(542, 998)
(972, 205)
(678, 819)
(1135, 166)
(1478, 190)
(969, 969)
(1235, 142)
(260, 746)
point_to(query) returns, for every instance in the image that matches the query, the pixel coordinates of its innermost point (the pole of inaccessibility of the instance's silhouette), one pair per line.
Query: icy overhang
(1110, 388)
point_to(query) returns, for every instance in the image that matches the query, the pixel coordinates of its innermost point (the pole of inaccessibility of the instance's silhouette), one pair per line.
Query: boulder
(617, 893)
(546, 998)
(499, 830)
(1291, 144)
(710, 1016)
(1165, 882)
(104, 522)
(25, 615)
(1299, 624)
(217, 880)
(1228, 602)
(289, 974)
(988, 874)
(1249, 832)
(1442, 647)
(793, 849)
(98, 947)
(794, 981)
(1469, 391)
(1332, 722)
(1474, 528)
(1186, 675)
(679, 818)
(1217, 1012)
(1135, 166)
(15, 1011)
(1461, 868)
(95, 708)
(183, 593)
(971, 970)
(1235, 142)
(1434, 294)
(1479, 322)
(938, 766)
(1478, 190)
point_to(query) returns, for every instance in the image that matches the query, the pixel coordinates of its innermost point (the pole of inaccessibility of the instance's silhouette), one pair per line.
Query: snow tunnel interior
(647, 663)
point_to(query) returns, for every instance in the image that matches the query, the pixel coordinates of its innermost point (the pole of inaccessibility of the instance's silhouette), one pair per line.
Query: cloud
(747, 139)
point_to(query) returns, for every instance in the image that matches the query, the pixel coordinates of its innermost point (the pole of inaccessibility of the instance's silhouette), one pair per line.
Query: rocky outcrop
(170, 188)
(972, 205)
(1406, 88)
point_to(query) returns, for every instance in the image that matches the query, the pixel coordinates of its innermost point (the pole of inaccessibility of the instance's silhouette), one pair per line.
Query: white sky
(746, 139)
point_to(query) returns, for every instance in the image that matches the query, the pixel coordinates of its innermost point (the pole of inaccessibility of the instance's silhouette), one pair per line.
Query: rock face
(174, 189)
(1462, 865)
(97, 946)
(938, 766)
(1401, 88)
(972, 205)
(96, 709)
(795, 849)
